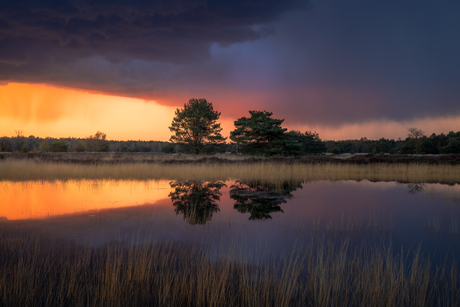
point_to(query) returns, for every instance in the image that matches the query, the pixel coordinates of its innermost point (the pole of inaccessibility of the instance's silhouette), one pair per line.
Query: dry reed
(36, 271)
(19, 170)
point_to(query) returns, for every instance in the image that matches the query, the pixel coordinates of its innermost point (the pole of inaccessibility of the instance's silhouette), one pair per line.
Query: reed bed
(21, 170)
(38, 271)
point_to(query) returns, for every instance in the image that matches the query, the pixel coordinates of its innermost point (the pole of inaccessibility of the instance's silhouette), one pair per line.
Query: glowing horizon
(48, 111)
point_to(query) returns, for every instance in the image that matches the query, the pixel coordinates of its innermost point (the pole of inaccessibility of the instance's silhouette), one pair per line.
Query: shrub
(59, 146)
(45, 145)
(103, 147)
(452, 147)
(80, 147)
(170, 148)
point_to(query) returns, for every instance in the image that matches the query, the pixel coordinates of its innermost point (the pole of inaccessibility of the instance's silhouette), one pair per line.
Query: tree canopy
(261, 134)
(311, 143)
(195, 127)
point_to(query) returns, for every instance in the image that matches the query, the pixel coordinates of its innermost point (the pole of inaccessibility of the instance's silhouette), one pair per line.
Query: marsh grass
(39, 271)
(20, 170)
(354, 225)
(438, 226)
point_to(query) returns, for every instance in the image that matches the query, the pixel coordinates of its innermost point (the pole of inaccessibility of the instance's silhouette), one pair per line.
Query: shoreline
(163, 158)
(273, 170)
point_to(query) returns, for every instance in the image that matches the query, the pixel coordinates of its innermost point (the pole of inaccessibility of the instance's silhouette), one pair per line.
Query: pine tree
(261, 134)
(195, 127)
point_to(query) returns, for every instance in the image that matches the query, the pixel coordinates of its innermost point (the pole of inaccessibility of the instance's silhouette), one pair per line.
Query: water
(255, 216)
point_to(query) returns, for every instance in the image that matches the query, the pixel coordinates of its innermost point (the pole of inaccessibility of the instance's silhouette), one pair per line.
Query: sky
(343, 68)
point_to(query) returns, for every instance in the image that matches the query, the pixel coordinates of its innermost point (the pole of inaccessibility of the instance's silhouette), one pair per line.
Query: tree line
(417, 143)
(93, 143)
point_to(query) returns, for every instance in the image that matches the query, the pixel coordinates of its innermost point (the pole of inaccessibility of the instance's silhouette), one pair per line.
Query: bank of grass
(38, 271)
(20, 170)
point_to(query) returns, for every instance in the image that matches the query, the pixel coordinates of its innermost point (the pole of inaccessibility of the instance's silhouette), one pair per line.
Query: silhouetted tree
(7, 144)
(429, 145)
(97, 142)
(311, 143)
(195, 127)
(196, 200)
(261, 134)
(415, 135)
(409, 147)
(19, 140)
(452, 147)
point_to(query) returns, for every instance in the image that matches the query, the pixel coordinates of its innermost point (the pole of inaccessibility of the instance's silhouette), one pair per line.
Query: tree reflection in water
(415, 188)
(196, 200)
(261, 199)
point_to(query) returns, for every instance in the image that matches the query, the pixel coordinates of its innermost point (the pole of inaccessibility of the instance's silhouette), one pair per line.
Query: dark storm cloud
(177, 31)
(334, 63)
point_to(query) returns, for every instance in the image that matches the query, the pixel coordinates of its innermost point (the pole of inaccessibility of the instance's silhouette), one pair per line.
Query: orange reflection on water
(36, 199)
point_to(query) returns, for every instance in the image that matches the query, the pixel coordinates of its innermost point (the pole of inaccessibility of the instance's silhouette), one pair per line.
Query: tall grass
(36, 271)
(18, 170)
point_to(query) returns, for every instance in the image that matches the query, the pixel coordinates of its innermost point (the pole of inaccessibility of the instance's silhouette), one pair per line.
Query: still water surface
(270, 217)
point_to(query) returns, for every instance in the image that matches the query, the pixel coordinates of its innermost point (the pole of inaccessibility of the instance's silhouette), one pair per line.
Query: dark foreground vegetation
(38, 270)
(124, 158)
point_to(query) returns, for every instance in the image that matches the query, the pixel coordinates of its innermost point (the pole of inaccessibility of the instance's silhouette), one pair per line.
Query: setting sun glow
(42, 111)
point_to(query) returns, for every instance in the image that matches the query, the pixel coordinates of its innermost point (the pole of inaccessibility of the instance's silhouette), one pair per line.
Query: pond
(257, 216)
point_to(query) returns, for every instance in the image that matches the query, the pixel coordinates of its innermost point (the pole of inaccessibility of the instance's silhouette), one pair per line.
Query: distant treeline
(433, 144)
(413, 144)
(32, 143)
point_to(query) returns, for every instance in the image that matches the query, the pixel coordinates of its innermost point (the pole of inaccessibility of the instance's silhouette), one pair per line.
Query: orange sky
(43, 110)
